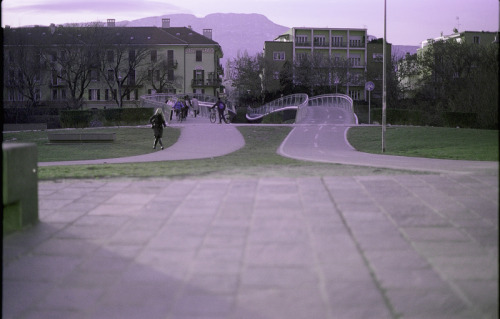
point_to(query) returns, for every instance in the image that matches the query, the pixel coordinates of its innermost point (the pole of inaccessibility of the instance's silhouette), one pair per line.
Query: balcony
(205, 83)
(359, 45)
(303, 44)
(321, 44)
(339, 44)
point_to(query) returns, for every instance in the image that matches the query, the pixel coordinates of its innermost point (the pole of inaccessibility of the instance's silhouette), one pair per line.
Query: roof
(124, 35)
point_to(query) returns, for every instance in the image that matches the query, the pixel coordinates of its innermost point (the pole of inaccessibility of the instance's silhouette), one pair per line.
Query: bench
(20, 186)
(87, 137)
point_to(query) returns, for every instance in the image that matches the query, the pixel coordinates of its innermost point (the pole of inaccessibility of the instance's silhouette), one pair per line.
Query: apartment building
(345, 48)
(105, 65)
(472, 37)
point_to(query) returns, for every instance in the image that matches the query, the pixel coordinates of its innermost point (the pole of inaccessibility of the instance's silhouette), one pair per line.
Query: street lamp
(119, 90)
(384, 75)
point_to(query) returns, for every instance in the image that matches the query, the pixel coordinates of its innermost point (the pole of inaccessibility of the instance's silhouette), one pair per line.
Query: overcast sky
(408, 21)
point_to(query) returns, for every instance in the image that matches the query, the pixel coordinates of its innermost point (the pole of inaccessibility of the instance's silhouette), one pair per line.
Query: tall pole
(384, 75)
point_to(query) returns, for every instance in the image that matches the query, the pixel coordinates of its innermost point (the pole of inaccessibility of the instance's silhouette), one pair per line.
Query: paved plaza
(394, 246)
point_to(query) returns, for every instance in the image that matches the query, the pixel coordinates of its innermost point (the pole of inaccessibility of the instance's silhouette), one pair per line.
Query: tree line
(87, 53)
(446, 76)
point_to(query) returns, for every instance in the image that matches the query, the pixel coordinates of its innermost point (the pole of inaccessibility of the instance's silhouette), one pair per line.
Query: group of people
(182, 106)
(157, 120)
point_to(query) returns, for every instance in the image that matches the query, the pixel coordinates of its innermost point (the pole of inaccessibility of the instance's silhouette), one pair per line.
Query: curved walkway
(198, 140)
(323, 139)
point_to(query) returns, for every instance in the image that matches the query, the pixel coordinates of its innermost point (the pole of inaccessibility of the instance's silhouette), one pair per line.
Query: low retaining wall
(20, 186)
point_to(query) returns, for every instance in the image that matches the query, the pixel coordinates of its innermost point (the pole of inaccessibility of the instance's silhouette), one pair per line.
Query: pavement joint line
(373, 275)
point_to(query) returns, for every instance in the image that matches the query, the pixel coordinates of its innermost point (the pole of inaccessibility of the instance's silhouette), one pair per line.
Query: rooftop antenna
(458, 23)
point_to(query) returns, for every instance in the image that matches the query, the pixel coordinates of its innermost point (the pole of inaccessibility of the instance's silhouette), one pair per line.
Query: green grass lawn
(130, 141)
(258, 157)
(430, 142)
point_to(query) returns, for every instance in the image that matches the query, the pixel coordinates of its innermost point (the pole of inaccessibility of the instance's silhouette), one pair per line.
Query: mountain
(235, 32)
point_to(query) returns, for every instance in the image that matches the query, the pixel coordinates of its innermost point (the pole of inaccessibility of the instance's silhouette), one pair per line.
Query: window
(301, 39)
(278, 55)
(63, 94)
(38, 94)
(54, 77)
(54, 95)
(319, 40)
(94, 75)
(355, 42)
(198, 77)
(154, 55)
(110, 56)
(170, 58)
(378, 57)
(477, 39)
(94, 94)
(106, 95)
(337, 41)
(131, 55)
(199, 55)
(170, 75)
(355, 60)
(111, 75)
(354, 95)
(131, 77)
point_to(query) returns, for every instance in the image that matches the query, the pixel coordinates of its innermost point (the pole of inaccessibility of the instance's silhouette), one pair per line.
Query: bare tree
(120, 62)
(23, 72)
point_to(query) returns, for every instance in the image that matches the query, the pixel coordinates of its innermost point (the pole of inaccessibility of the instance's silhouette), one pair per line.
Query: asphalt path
(323, 138)
(198, 139)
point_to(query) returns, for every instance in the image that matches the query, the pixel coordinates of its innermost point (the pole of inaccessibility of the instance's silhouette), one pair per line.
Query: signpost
(369, 86)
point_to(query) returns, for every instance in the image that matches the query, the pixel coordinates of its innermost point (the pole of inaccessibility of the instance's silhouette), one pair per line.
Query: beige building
(106, 65)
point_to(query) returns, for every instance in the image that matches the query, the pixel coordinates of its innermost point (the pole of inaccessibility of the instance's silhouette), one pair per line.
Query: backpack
(221, 105)
(178, 105)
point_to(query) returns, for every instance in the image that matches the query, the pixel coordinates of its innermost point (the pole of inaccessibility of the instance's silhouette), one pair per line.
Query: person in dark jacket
(158, 122)
(221, 107)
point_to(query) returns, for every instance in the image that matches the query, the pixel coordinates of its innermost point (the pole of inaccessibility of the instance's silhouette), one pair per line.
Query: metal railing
(331, 100)
(288, 102)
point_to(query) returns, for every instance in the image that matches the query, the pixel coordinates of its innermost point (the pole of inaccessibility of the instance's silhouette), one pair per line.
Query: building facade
(344, 49)
(107, 66)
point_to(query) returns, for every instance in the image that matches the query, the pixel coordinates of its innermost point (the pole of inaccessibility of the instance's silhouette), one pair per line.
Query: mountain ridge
(235, 32)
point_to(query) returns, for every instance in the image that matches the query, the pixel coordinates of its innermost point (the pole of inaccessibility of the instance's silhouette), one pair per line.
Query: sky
(409, 22)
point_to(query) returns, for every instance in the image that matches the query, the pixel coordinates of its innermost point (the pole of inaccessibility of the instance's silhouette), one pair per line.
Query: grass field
(430, 142)
(130, 141)
(258, 157)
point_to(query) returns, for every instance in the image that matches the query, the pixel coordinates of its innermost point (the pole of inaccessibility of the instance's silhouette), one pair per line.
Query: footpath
(393, 246)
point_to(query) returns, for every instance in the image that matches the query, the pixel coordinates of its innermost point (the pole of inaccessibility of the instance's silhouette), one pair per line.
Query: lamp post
(384, 75)
(119, 90)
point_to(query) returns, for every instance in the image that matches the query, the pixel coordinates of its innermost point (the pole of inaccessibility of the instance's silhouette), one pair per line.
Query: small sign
(369, 86)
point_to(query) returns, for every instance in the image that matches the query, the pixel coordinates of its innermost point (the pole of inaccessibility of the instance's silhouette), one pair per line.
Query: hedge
(107, 117)
(399, 116)
(460, 119)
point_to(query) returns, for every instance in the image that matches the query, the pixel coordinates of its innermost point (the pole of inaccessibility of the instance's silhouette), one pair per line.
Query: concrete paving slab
(214, 258)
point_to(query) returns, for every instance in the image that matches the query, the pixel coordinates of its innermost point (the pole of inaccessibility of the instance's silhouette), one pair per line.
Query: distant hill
(235, 32)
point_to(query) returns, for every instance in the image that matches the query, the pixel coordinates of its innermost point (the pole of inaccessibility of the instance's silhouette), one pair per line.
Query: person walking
(157, 123)
(196, 106)
(221, 107)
